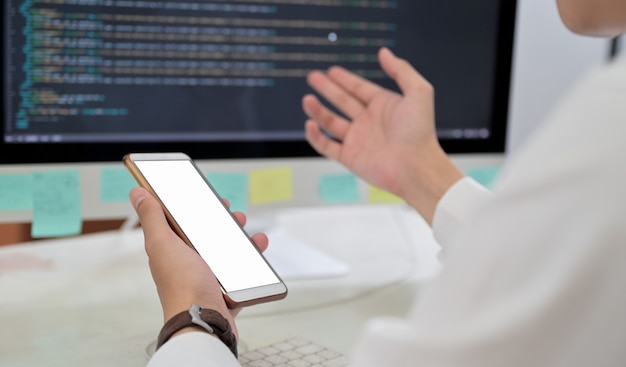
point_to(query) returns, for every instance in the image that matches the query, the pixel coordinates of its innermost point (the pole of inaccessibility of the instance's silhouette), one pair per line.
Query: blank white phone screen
(208, 226)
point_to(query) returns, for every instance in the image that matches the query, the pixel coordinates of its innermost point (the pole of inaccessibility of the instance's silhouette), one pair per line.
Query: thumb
(150, 213)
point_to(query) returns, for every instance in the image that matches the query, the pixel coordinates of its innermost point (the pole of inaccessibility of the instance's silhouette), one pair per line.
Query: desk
(90, 300)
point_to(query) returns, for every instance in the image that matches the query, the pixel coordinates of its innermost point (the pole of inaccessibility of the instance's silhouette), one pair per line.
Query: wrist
(427, 180)
(198, 319)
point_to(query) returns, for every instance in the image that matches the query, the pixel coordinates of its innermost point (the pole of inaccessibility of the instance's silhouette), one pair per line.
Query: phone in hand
(198, 215)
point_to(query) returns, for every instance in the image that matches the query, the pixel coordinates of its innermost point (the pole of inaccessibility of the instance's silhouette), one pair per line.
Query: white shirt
(535, 273)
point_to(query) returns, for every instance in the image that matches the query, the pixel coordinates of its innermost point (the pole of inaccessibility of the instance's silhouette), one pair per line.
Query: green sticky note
(339, 188)
(271, 185)
(56, 204)
(485, 176)
(16, 192)
(115, 184)
(232, 187)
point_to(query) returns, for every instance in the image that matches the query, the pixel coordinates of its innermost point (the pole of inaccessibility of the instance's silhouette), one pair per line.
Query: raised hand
(386, 138)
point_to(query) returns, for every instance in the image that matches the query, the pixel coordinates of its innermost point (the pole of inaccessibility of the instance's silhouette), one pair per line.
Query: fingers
(241, 218)
(358, 87)
(335, 94)
(320, 142)
(150, 214)
(226, 202)
(328, 120)
(261, 241)
(408, 79)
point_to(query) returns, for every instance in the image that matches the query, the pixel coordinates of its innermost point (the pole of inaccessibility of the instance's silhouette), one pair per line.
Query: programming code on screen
(116, 70)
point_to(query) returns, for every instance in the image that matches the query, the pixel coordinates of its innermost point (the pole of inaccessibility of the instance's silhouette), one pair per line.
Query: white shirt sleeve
(455, 209)
(193, 349)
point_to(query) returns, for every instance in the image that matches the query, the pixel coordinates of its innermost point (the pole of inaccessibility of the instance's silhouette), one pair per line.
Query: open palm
(381, 129)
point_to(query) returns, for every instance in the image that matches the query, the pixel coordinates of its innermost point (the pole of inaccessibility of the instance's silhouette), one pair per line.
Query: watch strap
(209, 320)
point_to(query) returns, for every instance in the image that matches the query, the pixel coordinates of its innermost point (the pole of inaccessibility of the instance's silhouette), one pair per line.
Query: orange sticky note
(271, 185)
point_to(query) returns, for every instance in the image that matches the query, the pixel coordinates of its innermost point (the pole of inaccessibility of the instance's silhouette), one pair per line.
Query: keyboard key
(298, 363)
(328, 354)
(254, 355)
(309, 349)
(268, 351)
(260, 363)
(314, 359)
(337, 362)
(276, 359)
(291, 355)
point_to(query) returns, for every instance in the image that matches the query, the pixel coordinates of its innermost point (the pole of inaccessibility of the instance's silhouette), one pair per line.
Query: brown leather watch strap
(210, 320)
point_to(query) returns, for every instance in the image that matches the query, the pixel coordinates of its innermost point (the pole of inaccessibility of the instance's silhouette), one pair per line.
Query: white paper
(295, 259)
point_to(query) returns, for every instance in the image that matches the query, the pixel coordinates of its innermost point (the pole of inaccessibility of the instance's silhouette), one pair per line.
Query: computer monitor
(90, 80)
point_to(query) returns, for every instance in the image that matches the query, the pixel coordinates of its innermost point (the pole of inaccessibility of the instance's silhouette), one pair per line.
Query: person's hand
(181, 276)
(386, 138)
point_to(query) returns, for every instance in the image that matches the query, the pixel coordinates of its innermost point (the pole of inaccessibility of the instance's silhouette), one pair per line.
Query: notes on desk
(379, 196)
(339, 188)
(271, 185)
(485, 176)
(16, 192)
(56, 204)
(115, 185)
(232, 187)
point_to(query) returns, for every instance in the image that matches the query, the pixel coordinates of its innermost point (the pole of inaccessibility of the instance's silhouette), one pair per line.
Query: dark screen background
(62, 85)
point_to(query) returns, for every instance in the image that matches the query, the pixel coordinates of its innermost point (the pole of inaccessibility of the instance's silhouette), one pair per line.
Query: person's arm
(182, 279)
(386, 138)
(455, 209)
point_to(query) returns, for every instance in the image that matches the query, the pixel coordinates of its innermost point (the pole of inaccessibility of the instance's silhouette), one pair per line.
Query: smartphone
(198, 215)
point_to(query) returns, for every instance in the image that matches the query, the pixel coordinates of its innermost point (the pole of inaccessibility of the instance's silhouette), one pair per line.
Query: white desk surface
(90, 300)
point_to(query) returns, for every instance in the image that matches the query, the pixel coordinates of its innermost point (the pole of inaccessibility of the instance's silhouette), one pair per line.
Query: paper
(339, 189)
(294, 259)
(115, 185)
(56, 204)
(485, 176)
(271, 185)
(232, 187)
(379, 196)
(16, 192)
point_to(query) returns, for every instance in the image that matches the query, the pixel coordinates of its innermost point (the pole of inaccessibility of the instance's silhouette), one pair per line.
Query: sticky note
(56, 204)
(271, 185)
(16, 192)
(379, 196)
(115, 184)
(339, 188)
(485, 176)
(232, 187)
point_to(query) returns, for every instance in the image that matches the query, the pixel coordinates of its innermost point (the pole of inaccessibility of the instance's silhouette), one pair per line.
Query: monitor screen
(91, 80)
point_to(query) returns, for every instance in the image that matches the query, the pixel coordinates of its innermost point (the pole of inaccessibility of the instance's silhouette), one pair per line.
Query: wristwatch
(210, 320)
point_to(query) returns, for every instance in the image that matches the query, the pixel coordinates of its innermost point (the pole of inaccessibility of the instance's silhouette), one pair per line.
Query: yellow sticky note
(378, 196)
(271, 185)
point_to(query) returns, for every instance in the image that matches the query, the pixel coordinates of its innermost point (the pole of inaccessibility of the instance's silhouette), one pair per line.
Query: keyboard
(294, 352)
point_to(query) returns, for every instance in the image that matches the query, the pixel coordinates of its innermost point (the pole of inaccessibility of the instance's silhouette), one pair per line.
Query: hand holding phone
(200, 218)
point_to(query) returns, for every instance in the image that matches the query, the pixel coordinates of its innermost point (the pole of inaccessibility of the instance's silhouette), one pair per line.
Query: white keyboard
(295, 352)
